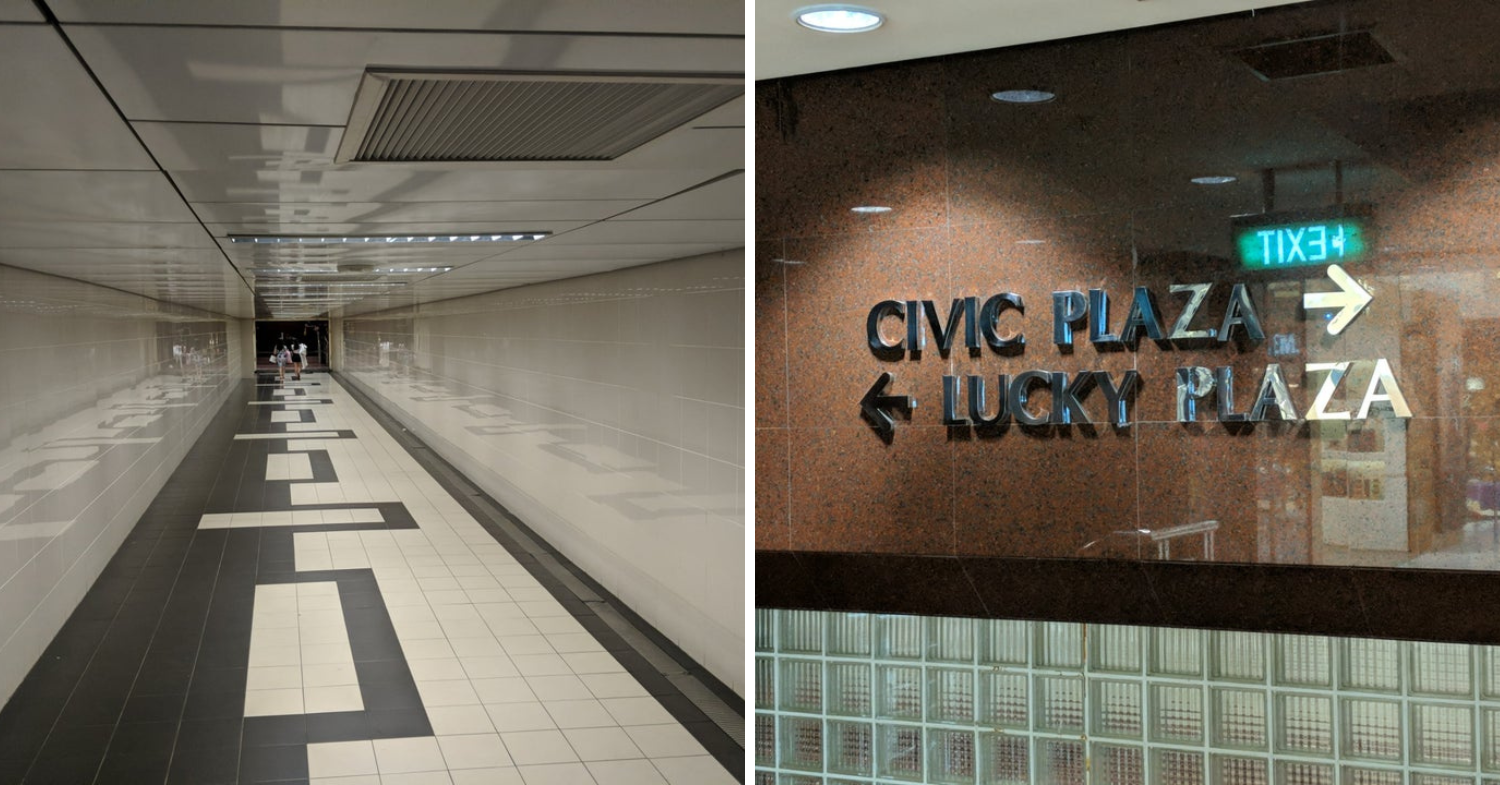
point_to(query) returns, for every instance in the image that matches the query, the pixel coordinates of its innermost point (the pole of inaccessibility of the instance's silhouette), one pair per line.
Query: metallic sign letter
(1241, 311)
(1193, 384)
(1117, 397)
(1224, 392)
(881, 310)
(1383, 378)
(1066, 408)
(1319, 409)
(950, 402)
(1099, 318)
(977, 401)
(1273, 392)
(944, 333)
(1142, 314)
(916, 337)
(1198, 293)
(1068, 308)
(989, 322)
(1020, 389)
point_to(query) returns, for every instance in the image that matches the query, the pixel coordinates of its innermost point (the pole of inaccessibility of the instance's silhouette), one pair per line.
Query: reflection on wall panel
(607, 412)
(101, 395)
(1142, 705)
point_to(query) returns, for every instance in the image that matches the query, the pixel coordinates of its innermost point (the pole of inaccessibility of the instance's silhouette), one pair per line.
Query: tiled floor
(305, 603)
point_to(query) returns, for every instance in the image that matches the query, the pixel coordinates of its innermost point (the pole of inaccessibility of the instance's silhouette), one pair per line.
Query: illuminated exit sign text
(1272, 246)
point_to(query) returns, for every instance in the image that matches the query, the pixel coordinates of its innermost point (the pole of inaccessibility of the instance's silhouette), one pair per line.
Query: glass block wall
(844, 698)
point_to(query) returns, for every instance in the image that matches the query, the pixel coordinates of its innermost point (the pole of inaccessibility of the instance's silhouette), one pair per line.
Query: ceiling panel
(650, 232)
(51, 234)
(607, 254)
(53, 116)
(90, 197)
(721, 199)
(261, 216)
(309, 77)
(19, 11)
(388, 184)
(297, 227)
(618, 16)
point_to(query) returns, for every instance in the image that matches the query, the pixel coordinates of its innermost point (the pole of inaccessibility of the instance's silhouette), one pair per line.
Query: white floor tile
(614, 685)
(626, 772)
(266, 703)
(579, 714)
(558, 688)
(558, 774)
(447, 693)
(505, 776)
(341, 758)
(475, 751)
(664, 741)
(515, 717)
(593, 744)
(319, 700)
(529, 748)
(696, 770)
(636, 711)
(395, 756)
(459, 720)
(417, 778)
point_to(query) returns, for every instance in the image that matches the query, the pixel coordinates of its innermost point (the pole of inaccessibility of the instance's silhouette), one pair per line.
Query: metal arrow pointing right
(1351, 299)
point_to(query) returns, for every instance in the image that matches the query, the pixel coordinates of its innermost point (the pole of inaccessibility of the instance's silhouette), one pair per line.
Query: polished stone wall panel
(608, 413)
(101, 395)
(1092, 190)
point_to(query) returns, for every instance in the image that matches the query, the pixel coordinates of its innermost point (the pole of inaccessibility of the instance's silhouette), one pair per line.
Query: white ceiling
(221, 117)
(926, 28)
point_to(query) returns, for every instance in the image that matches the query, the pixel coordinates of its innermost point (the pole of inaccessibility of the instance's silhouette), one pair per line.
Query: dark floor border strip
(1433, 605)
(496, 519)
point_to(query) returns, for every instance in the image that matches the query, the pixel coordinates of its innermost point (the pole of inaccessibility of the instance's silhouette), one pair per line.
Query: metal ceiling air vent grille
(1314, 55)
(521, 117)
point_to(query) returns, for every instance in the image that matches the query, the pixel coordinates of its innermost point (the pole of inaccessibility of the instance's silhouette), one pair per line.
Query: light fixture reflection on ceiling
(1215, 179)
(394, 270)
(839, 18)
(1023, 96)
(870, 209)
(329, 239)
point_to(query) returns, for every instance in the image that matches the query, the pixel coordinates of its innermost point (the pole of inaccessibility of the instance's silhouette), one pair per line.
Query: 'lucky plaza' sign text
(1042, 397)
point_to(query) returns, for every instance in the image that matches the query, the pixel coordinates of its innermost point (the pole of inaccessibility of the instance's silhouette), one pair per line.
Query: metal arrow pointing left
(1350, 299)
(874, 406)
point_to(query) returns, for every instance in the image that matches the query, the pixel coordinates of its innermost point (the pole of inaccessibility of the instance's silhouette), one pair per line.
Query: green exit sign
(1272, 246)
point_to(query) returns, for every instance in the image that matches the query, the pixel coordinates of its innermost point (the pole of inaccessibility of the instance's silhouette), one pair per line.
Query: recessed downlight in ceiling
(1215, 179)
(870, 209)
(329, 239)
(1023, 96)
(839, 18)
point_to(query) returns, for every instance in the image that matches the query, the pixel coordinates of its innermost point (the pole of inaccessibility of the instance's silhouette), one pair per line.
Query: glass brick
(802, 686)
(900, 752)
(1117, 765)
(1005, 759)
(851, 748)
(950, 756)
(1372, 729)
(1422, 778)
(765, 682)
(1240, 719)
(1490, 722)
(801, 743)
(1061, 762)
(1115, 648)
(1177, 767)
(899, 638)
(801, 632)
(765, 629)
(1442, 735)
(765, 777)
(849, 634)
(1060, 704)
(1354, 775)
(1004, 642)
(1119, 709)
(765, 740)
(1372, 665)
(951, 640)
(1176, 713)
(1234, 770)
(1290, 772)
(1303, 660)
(1003, 700)
(900, 692)
(1441, 669)
(1304, 723)
(1176, 652)
(1490, 669)
(798, 779)
(950, 695)
(849, 689)
(1239, 656)
(1059, 645)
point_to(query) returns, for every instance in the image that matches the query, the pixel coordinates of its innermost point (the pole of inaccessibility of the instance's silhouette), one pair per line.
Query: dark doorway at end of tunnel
(271, 336)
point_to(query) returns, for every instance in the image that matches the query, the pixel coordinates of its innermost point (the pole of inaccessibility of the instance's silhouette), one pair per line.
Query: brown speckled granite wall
(1092, 191)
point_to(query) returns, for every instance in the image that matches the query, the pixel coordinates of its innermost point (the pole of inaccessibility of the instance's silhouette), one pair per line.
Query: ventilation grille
(521, 117)
(1322, 54)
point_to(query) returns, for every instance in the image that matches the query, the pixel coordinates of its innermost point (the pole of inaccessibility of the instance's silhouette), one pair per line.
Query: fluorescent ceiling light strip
(332, 239)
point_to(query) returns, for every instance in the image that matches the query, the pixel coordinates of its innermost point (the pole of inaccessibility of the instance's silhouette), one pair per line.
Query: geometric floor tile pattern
(323, 610)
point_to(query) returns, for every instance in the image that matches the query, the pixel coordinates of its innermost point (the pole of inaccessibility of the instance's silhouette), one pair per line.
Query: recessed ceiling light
(329, 239)
(870, 209)
(1023, 96)
(1215, 179)
(839, 18)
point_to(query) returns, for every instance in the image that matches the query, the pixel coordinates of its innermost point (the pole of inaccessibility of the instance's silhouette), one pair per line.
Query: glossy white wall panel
(90, 196)
(79, 362)
(608, 412)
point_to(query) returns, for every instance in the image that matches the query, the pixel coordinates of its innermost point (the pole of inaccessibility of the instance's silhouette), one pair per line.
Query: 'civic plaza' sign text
(1044, 397)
